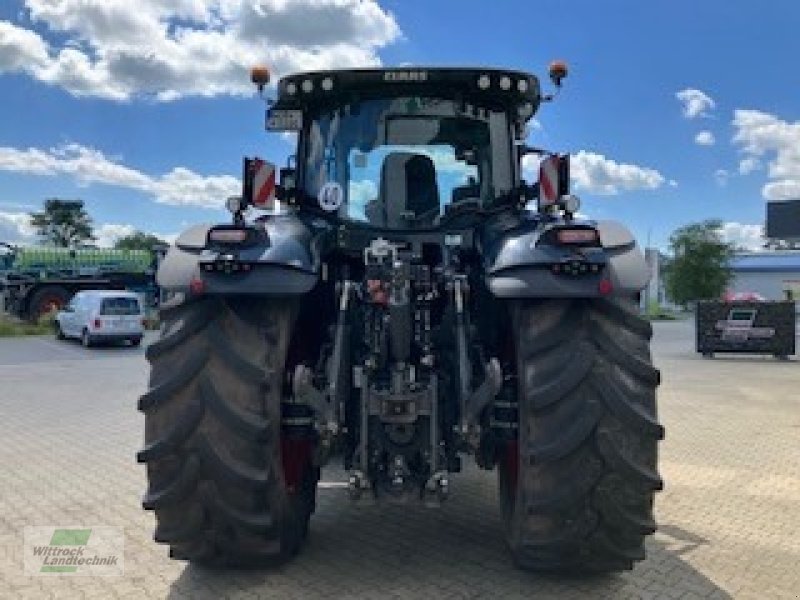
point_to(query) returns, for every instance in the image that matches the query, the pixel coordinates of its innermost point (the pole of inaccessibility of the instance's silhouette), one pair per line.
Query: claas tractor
(398, 299)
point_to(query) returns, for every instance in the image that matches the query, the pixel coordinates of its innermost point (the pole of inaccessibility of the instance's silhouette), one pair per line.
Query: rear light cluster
(227, 236)
(575, 267)
(581, 236)
(227, 266)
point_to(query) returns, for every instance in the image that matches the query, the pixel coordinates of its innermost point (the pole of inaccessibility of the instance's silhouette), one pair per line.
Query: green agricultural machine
(36, 280)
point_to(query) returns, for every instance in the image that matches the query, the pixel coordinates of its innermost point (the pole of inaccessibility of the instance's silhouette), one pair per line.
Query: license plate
(285, 120)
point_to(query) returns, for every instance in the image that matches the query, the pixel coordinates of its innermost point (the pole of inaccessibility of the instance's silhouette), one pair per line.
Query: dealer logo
(58, 550)
(739, 326)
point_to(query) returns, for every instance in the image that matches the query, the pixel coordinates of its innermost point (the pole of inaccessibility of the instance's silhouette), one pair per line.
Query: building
(655, 293)
(774, 275)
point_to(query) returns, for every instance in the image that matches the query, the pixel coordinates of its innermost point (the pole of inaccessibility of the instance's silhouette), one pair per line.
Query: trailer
(37, 280)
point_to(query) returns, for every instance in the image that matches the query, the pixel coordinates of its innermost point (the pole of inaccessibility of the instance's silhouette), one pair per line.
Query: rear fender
(283, 261)
(521, 267)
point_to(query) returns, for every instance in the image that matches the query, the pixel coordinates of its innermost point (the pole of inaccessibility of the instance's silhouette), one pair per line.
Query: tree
(699, 268)
(63, 223)
(139, 240)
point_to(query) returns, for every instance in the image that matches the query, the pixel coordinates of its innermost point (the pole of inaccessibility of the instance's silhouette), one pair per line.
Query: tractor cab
(403, 149)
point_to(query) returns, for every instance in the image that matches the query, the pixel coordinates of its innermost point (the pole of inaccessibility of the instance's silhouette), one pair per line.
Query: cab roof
(506, 87)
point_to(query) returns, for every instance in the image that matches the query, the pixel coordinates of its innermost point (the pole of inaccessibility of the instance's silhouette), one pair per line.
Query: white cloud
(290, 137)
(117, 49)
(359, 194)
(704, 138)
(721, 176)
(597, 174)
(446, 162)
(15, 228)
(86, 166)
(742, 235)
(695, 103)
(533, 128)
(762, 135)
(530, 166)
(108, 233)
(183, 186)
(20, 48)
(167, 237)
(748, 165)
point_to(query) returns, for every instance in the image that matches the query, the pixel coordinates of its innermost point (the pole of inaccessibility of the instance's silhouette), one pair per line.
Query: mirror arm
(527, 192)
(525, 149)
(532, 191)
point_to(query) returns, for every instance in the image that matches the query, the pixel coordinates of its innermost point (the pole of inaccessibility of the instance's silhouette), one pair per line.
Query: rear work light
(577, 236)
(227, 236)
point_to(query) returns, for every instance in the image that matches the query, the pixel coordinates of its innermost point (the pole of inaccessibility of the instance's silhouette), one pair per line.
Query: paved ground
(729, 515)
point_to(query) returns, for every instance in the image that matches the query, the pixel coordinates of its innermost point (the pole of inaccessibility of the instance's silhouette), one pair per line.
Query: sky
(674, 111)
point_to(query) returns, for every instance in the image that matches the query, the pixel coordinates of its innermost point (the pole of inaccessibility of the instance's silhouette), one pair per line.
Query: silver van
(102, 316)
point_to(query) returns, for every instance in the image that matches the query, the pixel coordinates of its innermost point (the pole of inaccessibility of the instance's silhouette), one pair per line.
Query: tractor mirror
(553, 179)
(258, 183)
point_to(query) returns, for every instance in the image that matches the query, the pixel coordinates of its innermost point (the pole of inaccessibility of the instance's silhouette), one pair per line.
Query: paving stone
(728, 516)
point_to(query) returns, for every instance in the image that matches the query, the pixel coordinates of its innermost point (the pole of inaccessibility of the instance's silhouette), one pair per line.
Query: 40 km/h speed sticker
(330, 197)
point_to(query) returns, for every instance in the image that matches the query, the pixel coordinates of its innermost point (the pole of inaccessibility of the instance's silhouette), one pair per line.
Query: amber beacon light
(259, 75)
(558, 71)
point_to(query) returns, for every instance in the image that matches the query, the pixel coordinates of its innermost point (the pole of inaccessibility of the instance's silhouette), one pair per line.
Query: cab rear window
(119, 306)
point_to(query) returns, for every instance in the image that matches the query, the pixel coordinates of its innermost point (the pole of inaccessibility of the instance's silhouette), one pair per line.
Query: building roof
(783, 261)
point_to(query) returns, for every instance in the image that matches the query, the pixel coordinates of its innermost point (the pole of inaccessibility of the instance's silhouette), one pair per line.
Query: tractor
(399, 299)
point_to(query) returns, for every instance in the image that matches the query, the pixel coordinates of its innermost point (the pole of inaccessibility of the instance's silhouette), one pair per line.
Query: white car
(94, 316)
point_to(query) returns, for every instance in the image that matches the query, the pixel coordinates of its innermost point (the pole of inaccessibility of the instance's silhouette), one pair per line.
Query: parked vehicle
(404, 306)
(36, 280)
(96, 316)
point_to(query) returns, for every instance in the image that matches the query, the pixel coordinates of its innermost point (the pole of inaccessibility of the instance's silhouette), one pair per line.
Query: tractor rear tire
(46, 300)
(213, 434)
(577, 486)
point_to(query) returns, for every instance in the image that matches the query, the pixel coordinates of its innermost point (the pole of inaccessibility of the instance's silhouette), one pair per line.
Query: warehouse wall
(771, 285)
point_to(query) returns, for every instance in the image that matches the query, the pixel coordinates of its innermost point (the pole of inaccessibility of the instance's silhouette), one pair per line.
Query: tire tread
(587, 439)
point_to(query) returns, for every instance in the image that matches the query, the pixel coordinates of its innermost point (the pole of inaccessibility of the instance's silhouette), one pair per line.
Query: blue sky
(143, 109)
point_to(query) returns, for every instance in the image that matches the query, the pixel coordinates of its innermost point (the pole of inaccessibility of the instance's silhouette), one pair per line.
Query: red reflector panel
(548, 181)
(577, 236)
(228, 236)
(263, 184)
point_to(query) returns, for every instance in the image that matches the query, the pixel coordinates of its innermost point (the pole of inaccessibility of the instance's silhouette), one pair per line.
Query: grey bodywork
(288, 262)
(520, 266)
